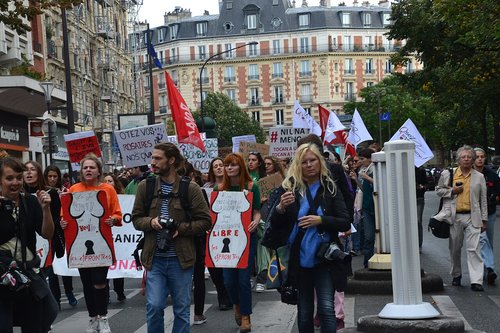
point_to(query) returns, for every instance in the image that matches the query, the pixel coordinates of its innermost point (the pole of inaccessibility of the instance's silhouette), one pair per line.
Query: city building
(320, 54)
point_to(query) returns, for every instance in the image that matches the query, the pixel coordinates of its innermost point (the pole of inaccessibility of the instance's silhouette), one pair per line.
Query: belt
(464, 212)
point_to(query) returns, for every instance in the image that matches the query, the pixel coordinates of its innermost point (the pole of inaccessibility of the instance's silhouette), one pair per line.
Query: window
(369, 66)
(346, 19)
(349, 95)
(280, 117)
(174, 30)
(175, 77)
(254, 96)
(387, 19)
(161, 35)
(201, 52)
(276, 46)
(201, 29)
(369, 84)
(304, 45)
(173, 56)
(253, 72)
(306, 93)
(229, 75)
(163, 104)
(227, 47)
(252, 21)
(367, 19)
(368, 43)
(231, 93)
(304, 20)
(388, 66)
(161, 81)
(252, 50)
(277, 70)
(348, 66)
(204, 95)
(305, 68)
(256, 116)
(204, 76)
(347, 45)
(278, 95)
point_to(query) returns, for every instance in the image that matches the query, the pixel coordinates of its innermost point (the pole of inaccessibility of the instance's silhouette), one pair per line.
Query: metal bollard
(402, 217)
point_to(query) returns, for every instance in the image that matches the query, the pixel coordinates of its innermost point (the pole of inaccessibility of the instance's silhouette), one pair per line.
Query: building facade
(314, 54)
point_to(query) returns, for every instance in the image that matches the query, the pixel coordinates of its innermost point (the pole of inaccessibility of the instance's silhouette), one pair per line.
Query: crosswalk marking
(273, 317)
(77, 322)
(349, 303)
(448, 308)
(168, 318)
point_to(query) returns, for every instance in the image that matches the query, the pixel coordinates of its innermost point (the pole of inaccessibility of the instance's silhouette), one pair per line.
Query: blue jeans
(486, 245)
(166, 277)
(319, 278)
(237, 281)
(369, 233)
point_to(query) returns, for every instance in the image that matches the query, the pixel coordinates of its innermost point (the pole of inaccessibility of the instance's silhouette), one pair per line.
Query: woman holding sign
(94, 279)
(237, 281)
(312, 212)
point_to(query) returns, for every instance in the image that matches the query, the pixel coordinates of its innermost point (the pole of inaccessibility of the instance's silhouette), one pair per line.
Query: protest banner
(89, 242)
(409, 132)
(268, 184)
(242, 138)
(80, 144)
(283, 140)
(246, 147)
(228, 242)
(198, 158)
(125, 240)
(136, 144)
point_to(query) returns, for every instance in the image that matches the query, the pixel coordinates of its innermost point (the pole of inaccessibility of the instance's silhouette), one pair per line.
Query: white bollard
(379, 188)
(402, 216)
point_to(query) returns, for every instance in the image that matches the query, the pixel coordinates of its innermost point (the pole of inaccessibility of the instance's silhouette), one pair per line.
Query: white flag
(409, 132)
(332, 126)
(358, 132)
(302, 119)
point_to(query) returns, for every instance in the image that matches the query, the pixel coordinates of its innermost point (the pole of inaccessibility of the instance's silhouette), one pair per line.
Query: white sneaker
(104, 325)
(93, 325)
(260, 288)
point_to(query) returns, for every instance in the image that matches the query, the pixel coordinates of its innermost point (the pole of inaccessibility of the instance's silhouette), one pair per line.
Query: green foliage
(26, 69)
(231, 120)
(13, 16)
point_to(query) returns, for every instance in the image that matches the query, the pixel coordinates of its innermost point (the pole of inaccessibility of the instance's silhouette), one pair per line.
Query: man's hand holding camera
(458, 188)
(156, 225)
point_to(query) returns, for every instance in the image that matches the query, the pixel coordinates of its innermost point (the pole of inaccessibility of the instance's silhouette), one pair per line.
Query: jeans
(166, 277)
(357, 237)
(486, 245)
(237, 281)
(491, 227)
(420, 212)
(320, 279)
(369, 234)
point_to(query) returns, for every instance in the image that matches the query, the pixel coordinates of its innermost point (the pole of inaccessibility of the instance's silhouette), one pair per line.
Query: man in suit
(466, 206)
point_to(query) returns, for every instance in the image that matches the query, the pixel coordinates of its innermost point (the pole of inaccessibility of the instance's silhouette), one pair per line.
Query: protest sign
(228, 242)
(125, 239)
(80, 144)
(268, 184)
(136, 144)
(89, 242)
(246, 147)
(198, 158)
(237, 139)
(409, 132)
(283, 140)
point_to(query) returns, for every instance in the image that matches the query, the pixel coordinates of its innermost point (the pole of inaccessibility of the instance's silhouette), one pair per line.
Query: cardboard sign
(283, 140)
(228, 243)
(247, 147)
(136, 144)
(200, 160)
(89, 242)
(80, 144)
(242, 138)
(268, 184)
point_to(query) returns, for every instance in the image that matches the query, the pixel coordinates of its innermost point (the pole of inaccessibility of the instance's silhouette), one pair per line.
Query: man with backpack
(170, 216)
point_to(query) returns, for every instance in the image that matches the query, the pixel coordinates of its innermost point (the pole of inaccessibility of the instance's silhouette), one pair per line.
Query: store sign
(14, 130)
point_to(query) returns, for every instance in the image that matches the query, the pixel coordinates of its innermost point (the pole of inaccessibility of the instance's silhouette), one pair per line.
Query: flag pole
(151, 115)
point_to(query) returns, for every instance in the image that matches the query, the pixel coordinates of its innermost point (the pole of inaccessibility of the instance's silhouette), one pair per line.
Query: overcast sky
(153, 10)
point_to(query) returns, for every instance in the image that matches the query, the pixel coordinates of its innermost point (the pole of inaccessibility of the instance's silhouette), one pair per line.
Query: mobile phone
(459, 184)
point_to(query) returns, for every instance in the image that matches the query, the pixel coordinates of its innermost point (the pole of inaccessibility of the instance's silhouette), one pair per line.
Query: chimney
(325, 3)
(355, 3)
(304, 3)
(384, 3)
(366, 4)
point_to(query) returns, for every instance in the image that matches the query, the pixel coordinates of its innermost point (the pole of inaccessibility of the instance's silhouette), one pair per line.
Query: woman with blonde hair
(310, 212)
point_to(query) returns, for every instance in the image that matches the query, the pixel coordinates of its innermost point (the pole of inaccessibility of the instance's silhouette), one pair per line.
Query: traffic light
(53, 143)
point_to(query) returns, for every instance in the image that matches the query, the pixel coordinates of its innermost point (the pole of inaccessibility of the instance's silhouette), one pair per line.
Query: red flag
(185, 126)
(323, 120)
(341, 138)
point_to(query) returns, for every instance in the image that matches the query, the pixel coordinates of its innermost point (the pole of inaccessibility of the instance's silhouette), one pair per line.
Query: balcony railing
(253, 77)
(306, 98)
(161, 85)
(369, 71)
(163, 109)
(349, 71)
(254, 101)
(305, 74)
(229, 79)
(279, 100)
(203, 80)
(350, 97)
(277, 75)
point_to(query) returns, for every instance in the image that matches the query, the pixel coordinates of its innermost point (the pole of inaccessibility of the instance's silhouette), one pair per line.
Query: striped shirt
(169, 251)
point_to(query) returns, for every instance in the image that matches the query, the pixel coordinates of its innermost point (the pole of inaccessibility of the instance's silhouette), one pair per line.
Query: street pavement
(479, 310)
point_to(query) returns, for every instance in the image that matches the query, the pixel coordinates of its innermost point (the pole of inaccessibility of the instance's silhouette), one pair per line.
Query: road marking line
(448, 308)
(168, 318)
(78, 322)
(273, 317)
(349, 311)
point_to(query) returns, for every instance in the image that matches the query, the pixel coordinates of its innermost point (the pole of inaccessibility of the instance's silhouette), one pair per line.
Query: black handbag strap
(450, 184)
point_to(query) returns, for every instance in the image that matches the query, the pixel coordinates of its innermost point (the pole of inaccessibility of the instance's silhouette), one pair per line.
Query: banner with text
(136, 144)
(242, 138)
(283, 140)
(80, 144)
(247, 147)
(268, 184)
(198, 158)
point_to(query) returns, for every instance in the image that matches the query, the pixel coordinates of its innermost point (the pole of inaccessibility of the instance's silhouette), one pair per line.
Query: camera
(7, 204)
(168, 227)
(333, 252)
(459, 184)
(289, 295)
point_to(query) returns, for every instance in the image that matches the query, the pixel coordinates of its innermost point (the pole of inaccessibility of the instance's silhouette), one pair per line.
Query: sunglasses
(256, 153)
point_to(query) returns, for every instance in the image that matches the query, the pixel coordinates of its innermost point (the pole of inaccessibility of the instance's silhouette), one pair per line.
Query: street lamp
(201, 78)
(47, 88)
(378, 94)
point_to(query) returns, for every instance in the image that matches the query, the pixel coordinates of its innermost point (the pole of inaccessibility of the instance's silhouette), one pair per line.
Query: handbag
(440, 229)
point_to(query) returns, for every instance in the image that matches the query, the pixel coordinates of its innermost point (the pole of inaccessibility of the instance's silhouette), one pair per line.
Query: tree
(231, 120)
(458, 42)
(13, 12)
